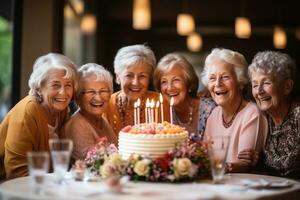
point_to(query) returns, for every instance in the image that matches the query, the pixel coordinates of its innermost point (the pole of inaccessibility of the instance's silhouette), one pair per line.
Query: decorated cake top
(154, 128)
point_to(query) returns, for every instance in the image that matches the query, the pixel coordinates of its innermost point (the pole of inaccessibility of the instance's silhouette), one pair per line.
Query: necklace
(228, 124)
(125, 113)
(190, 116)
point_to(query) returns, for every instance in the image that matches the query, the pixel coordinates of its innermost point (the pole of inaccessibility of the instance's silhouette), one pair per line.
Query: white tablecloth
(236, 186)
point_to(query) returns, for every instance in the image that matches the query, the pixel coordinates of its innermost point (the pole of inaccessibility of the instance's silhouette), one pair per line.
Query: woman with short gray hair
(87, 126)
(38, 117)
(224, 75)
(133, 67)
(272, 77)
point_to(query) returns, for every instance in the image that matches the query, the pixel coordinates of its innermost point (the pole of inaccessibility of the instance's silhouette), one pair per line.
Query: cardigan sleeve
(22, 133)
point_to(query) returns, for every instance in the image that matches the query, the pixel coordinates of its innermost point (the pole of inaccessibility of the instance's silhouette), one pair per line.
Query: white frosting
(152, 145)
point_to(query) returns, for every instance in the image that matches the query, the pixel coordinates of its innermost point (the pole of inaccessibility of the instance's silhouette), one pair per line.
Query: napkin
(77, 189)
(266, 184)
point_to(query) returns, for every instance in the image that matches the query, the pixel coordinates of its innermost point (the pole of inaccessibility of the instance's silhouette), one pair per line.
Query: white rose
(142, 167)
(108, 169)
(115, 159)
(182, 167)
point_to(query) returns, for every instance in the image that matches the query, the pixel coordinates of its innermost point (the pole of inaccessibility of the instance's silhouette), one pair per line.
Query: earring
(190, 90)
(40, 98)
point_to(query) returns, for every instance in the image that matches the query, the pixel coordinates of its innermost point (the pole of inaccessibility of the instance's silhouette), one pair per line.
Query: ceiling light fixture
(242, 27)
(185, 24)
(279, 37)
(141, 15)
(88, 24)
(194, 42)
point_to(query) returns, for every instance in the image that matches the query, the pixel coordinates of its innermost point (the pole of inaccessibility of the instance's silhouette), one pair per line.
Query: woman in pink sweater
(224, 75)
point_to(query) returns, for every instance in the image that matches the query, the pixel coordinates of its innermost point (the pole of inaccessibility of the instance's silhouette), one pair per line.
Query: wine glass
(38, 166)
(218, 149)
(60, 153)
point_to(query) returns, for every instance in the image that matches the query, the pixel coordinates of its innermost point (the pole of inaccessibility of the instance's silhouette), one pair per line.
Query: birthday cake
(150, 139)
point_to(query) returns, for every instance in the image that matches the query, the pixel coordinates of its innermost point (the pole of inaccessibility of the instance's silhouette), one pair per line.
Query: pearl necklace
(189, 122)
(228, 124)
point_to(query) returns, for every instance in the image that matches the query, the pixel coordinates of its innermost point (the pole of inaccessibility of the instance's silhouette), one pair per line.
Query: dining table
(235, 186)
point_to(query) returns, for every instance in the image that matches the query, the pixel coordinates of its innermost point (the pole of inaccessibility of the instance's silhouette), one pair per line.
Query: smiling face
(135, 80)
(94, 97)
(56, 90)
(173, 84)
(223, 85)
(267, 92)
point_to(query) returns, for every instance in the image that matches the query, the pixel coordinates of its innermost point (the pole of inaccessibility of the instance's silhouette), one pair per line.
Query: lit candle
(152, 110)
(135, 113)
(146, 110)
(156, 112)
(161, 108)
(171, 109)
(138, 110)
(149, 111)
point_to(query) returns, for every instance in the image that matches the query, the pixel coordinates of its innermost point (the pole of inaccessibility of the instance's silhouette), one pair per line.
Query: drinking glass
(217, 149)
(60, 153)
(38, 166)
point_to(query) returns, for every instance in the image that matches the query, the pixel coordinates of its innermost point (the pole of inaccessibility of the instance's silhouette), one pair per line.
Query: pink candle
(161, 108)
(152, 110)
(156, 112)
(146, 111)
(135, 113)
(138, 110)
(171, 109)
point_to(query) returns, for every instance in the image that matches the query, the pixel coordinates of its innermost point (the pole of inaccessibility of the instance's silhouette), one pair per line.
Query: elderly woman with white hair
(87, 126)
(224, 75)
(176, 78)
(273, 75)
(30, 124)
(133, 66)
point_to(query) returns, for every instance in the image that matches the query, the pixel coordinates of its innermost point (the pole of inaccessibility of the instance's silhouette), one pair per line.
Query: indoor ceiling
(210, 13)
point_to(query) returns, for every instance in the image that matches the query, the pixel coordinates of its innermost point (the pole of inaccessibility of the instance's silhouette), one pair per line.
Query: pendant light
(88, 24)
(279, 37)
(185, 24)
(141, 15)
(242, 27)
(194, 42)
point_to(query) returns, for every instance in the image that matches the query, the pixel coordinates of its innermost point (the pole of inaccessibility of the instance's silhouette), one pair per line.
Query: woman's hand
(237, 167)
(249, 156)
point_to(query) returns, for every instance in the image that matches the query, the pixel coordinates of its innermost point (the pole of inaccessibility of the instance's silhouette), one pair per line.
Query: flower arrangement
(183, 163)
(103, 160)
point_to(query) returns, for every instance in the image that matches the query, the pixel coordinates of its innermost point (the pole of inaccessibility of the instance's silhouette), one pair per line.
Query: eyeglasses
(92, 93)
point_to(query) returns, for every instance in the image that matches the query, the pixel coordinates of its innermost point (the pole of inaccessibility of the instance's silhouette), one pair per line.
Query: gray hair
(47, 62)
(172, 60)
(232, 57)
(274, 63)
(134, 54)
(99, 71)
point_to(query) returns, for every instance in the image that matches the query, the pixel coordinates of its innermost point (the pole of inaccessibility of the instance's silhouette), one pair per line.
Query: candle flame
(152, 104)
(172, 101)
(147, 103)
(138, 102)
(160, 98)
(135, 105)
(157, 104)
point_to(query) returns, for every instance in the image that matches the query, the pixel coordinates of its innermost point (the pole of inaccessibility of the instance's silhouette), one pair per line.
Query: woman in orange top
(38, 117)
(133, 66)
